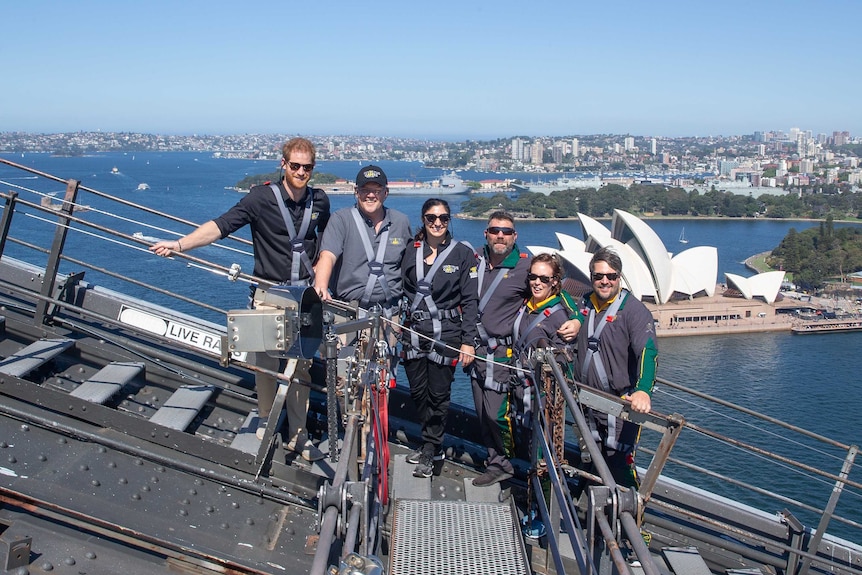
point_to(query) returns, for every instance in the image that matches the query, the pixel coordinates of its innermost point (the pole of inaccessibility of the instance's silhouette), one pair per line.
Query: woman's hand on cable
(466, 354)
(166, 247)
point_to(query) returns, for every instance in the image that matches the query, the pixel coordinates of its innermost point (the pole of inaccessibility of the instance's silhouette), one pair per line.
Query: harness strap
(424, 287)
(375, 262)
(433, 355)
(420, 315)
(520, 343)
(297, 239)
(491, 343)
(521, 340)
(593, 357)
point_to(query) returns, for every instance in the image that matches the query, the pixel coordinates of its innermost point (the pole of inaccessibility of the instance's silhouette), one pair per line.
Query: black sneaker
(425, 467)
(415, 456)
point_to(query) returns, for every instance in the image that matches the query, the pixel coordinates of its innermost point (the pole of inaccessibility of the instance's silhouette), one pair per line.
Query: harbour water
(809, 381)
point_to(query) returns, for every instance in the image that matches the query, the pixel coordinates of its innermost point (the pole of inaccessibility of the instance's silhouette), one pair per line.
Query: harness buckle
(423, 288)
(420, 315)
(376, 268)
(297, 244)
(593, 344)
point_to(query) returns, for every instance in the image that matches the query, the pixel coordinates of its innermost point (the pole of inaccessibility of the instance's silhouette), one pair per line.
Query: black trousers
(431, 390)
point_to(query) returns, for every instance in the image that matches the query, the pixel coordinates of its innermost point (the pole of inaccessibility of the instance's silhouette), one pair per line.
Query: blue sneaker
(532, 526)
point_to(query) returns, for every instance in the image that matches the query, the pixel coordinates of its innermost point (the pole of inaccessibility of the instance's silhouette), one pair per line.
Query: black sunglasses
(294, 167)
(543, 279)
(431, 218)
(494, 230)
(613, 276)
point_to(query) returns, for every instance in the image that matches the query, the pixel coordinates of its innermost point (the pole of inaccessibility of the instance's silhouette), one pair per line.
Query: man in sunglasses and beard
(287, 220)
(503, 288)
(617, 354)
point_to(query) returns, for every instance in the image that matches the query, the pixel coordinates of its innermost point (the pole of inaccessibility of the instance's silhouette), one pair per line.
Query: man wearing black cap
(361, 251)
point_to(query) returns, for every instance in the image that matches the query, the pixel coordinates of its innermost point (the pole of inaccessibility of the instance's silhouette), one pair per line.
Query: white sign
(188, 334)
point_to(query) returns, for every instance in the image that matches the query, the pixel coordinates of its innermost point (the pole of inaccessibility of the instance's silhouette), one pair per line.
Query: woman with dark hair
(535, 327)
(441, 286)
(545, 283)
(543, 312)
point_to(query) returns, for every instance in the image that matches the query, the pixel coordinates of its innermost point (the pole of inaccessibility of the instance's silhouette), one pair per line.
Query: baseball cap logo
(371, 174)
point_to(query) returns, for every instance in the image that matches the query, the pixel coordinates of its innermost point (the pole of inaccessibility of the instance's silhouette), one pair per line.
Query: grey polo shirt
(351, 268)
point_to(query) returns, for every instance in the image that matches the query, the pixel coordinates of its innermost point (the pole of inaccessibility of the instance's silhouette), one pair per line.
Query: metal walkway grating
(455, 538)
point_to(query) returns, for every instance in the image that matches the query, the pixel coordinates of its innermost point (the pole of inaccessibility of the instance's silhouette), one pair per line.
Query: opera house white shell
(649, 271)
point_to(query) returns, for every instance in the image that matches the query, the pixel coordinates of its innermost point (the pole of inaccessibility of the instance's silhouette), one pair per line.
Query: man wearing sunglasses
(502, 290)
(287, 220)
(617, 354)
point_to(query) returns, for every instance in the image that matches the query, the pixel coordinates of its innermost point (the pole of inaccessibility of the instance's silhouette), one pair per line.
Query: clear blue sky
(442, 69)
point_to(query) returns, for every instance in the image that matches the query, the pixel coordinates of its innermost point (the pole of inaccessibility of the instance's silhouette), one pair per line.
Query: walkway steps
(443, 525)
(685, 561)
(183, 406)
(35, 355)
(107, 381)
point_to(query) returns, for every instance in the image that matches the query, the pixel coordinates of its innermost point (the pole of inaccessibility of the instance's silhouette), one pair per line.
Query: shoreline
(463, 216)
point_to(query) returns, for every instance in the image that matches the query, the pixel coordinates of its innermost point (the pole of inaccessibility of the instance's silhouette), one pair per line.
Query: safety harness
(423, 294)
(375, 262)
(491, 343)
(520, 346)
(592, 356)
(297, 239)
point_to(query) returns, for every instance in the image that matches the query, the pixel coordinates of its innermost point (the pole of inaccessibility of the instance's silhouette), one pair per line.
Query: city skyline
(451, 71)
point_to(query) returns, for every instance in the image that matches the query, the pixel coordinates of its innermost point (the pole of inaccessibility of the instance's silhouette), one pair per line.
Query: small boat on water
(49, 201)
(150, 239)
(115, 170)
(682, 238)
(128, 440)
(143, 186)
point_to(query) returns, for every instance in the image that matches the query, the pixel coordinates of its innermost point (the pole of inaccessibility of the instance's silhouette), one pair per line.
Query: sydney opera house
(680, 289)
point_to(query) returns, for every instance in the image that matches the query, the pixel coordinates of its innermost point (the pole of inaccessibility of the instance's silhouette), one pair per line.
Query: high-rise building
(537, 150)
(840, 138)
(801, 147)
(652, 146)
(575, 148)
(725, 167)
(629, 143)
(517, 149)
(557, 152)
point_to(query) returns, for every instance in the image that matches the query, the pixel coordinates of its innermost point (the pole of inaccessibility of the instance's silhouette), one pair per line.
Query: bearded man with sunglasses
(503, 288)
(287, 220)
(617, 354)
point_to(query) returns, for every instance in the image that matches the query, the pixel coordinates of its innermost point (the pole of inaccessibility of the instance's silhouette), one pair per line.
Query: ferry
(128, 444)
(826, 326)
